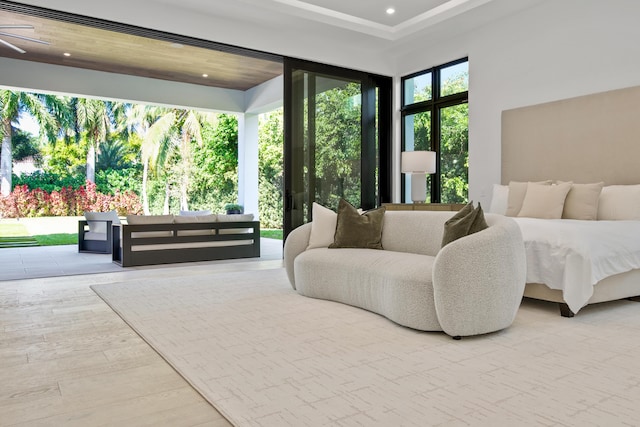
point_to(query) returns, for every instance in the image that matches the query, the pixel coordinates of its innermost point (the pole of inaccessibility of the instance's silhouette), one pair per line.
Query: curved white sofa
(472, 286)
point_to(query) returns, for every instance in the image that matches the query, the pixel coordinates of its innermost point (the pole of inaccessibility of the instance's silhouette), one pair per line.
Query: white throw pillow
(517, 191)
(499, 199)
(323, 226)
(544, 201)
(619, 202)
(582, 201)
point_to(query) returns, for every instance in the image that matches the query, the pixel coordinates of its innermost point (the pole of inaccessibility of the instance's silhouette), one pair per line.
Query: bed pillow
(323, 227)
(499, 199)
(517, 191)
(582, 201)
(619, 202)
(355, 230)
(467, 221)
(544, 201)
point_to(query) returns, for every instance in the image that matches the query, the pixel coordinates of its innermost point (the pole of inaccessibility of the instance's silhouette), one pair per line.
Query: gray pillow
(467, 221)
(358, 231)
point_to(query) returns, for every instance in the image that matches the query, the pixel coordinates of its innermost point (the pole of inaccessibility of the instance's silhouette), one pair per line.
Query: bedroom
(550, 51)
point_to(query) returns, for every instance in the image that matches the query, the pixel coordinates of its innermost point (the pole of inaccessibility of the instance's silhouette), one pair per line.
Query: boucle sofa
(473, 285)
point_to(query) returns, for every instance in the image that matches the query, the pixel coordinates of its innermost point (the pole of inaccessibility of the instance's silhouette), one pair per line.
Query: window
(435, 116)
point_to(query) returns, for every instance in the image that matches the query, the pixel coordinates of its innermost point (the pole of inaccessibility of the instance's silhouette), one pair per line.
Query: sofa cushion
(397, 285)
(195, 213)
(235, 217)
(354, 230)
(149, 219)
(97, 224)
(467, 221)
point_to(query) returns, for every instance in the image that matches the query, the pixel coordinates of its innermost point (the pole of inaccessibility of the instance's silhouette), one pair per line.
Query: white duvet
(572, 256)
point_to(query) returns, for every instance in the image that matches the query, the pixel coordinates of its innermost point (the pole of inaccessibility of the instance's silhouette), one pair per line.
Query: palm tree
(97, 118)
(11, 105)
(167, 131)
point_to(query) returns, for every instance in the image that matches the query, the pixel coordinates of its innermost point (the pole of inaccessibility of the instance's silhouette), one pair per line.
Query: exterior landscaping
(98, 155)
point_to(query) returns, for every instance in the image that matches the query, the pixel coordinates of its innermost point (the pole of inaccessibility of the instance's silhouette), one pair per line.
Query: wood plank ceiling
(164, 57)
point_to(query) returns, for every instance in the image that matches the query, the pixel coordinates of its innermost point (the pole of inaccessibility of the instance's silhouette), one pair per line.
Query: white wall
(555, 50)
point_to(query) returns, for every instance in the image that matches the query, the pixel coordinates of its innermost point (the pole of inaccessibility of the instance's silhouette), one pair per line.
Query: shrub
(68, 201)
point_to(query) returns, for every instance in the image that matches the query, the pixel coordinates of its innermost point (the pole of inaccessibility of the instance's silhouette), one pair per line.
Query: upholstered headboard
(586, 139)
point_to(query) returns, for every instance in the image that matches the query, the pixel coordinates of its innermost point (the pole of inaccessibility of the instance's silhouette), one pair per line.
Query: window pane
(417, 89)
(454, 79)
(337, 142)
(417, 136)
(454, 154)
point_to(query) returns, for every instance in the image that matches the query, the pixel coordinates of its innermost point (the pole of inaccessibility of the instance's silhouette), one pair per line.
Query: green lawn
(271, 233)
(14, 235)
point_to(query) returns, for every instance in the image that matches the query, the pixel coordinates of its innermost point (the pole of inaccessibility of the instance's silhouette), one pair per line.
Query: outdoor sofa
(166, 239)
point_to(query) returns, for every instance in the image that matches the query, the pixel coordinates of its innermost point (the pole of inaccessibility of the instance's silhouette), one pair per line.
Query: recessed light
(205, 75)
(391, 11)
(177, 45)
(66, 54)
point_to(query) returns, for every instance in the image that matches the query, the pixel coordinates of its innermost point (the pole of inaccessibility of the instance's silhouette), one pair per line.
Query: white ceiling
(364, 16)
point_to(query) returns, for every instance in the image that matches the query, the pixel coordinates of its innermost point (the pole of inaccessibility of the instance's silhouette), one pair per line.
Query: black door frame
(370, 84)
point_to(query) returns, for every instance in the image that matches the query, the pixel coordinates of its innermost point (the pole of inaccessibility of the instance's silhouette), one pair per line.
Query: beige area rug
(265, 356)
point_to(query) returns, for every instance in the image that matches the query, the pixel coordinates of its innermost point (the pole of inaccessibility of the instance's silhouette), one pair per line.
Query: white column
(248, 163)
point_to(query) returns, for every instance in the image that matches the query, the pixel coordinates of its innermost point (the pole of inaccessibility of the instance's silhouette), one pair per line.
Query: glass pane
(454, 154)
(337, 148)
(417, 89)
(454, 79)
(417, 136)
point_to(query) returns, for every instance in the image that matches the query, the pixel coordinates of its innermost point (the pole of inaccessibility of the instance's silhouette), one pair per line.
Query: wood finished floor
(66, 359)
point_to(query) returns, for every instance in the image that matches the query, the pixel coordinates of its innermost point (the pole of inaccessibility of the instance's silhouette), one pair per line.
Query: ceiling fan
(17, 27)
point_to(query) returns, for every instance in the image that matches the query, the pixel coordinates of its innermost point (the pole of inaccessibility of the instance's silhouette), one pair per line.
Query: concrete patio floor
(52, 261)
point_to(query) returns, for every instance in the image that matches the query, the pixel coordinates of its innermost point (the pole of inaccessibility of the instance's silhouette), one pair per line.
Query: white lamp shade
(418, 161)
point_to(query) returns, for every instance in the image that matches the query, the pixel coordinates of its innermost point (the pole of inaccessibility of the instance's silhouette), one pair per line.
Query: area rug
(265, 356)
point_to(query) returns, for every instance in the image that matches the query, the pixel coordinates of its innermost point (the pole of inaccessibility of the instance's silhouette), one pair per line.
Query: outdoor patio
(51, 261)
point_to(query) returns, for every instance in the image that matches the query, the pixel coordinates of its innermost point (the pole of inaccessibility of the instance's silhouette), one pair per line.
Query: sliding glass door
(336, 144)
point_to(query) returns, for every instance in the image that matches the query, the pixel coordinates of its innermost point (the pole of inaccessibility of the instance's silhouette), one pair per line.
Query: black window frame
(434, 106)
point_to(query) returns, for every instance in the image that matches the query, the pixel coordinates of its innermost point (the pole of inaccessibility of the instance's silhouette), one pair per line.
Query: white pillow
(544, 201)
(517, 191)
(582, 201)
(96, 220)
(499, 199)
(323, 227)
(619, 202)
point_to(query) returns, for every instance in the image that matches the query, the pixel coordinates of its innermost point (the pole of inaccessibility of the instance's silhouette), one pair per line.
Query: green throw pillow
(467, 221)
(358, 231)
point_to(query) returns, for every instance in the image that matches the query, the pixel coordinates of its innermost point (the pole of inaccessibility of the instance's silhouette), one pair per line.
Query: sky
(27, 123)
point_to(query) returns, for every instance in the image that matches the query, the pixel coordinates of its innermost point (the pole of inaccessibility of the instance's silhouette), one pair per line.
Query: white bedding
(572, 255)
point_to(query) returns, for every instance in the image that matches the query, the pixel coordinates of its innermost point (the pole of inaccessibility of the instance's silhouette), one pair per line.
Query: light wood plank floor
(66, 359)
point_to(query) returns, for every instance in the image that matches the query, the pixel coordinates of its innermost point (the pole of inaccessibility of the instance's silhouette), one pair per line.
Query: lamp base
(418, 187)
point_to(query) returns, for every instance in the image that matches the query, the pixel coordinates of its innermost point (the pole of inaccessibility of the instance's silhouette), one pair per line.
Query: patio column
(248, 163)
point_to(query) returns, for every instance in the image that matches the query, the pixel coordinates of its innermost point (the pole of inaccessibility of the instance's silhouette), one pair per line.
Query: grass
(15, 235)
(271, 233)
(57, 239)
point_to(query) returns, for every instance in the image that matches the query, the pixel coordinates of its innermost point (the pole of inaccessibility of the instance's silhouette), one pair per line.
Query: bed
(590, 139)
